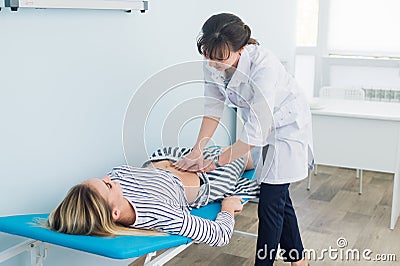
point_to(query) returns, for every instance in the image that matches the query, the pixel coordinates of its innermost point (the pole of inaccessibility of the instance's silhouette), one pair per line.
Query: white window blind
(307, 23)
(364, 27)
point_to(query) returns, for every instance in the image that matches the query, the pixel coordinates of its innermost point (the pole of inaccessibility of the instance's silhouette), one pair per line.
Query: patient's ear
(116, 213)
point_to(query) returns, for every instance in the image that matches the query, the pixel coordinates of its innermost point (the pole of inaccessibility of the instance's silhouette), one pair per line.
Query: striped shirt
(224, 181)
(159, 201)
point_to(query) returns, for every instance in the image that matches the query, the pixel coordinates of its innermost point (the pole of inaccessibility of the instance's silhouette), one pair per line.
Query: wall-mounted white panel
(85, 4)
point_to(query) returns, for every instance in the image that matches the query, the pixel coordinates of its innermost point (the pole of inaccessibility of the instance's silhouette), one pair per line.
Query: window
(348, 43)
(364, 27)
(307, 23)
(306, 41)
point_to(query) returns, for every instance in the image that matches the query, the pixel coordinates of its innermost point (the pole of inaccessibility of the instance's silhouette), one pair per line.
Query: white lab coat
(274, 111)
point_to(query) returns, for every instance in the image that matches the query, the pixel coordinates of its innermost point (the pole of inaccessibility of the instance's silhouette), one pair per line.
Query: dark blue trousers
(277, 225)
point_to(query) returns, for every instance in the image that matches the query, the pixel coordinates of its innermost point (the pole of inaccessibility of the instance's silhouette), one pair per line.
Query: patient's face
(110, 190)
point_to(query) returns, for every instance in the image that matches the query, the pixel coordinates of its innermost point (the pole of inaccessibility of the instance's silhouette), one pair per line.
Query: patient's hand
(193, 162)
(232, 204)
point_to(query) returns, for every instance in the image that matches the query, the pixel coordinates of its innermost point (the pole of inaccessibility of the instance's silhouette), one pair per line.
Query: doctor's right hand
(193, 162)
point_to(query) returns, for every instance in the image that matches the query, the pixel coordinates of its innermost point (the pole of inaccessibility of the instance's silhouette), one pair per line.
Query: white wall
(66, 80)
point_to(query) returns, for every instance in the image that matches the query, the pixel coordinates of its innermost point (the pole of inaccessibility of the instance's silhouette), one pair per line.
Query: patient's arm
(213, 233)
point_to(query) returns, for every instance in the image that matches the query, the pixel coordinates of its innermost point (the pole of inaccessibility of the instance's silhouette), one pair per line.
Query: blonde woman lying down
(156, 198)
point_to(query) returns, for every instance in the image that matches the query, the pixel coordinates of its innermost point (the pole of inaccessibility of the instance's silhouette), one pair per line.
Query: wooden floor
(332, 209)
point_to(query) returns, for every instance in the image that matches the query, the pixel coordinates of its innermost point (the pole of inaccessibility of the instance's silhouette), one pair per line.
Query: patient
(154, 200)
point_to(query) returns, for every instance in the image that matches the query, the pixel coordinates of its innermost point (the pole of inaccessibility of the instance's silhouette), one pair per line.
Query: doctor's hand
(208, 166)
(193, 162)
(233, 205)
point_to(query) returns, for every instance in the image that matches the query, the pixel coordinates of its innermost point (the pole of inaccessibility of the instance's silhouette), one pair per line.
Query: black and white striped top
(159, 201)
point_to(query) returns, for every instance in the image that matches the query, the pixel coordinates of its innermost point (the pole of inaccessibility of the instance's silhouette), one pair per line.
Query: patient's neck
(128, 215)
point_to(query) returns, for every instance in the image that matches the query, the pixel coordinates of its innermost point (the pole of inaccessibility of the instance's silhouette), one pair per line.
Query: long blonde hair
(84, 212)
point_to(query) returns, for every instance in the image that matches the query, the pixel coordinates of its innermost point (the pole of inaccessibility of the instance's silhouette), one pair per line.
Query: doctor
(276, 130)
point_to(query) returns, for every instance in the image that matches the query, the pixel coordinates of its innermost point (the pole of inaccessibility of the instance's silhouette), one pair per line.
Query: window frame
(325, 58)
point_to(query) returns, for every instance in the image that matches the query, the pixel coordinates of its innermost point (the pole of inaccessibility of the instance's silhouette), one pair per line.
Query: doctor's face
(224, 64)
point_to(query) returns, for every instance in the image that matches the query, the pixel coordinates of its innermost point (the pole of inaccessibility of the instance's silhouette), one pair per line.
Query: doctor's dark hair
(222, 34)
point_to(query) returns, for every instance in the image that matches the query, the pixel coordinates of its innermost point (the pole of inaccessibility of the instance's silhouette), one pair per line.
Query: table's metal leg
(16, 250)
(149, 256)
(309, 179)
(361, 179)
(37, 248)
(394, 215)
(38, 253)
(395, 200)
(167, 255)
(245, 234)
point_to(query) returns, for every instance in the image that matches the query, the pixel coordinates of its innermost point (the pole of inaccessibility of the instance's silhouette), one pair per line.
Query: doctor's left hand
(193, 162)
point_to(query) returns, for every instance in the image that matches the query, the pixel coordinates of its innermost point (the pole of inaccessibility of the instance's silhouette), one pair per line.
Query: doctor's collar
(242, 71)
